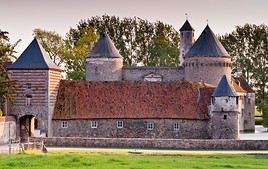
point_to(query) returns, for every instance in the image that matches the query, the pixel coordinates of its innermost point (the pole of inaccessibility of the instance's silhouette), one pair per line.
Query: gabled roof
(104, 48)
(207, 45)
(186, 26)
(243, 84)
(224, 88)
(34, 57)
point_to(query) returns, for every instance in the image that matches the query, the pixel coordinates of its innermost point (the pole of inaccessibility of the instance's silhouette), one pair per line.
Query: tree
(6, 54)
(134, 38)
(53, 43)
(248, 45)
(137, 40)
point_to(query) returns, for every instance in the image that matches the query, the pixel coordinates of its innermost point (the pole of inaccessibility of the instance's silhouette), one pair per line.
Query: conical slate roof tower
(207, 60)
(207, 45)
(224, 88)
(104, 48)
(34, 57)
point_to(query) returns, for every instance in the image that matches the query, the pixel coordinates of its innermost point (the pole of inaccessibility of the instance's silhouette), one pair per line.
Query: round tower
(104, 63)
(224, 111)
(207, 60)
(186, 40)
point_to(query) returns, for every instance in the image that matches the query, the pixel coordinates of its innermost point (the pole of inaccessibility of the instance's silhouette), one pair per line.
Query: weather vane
(207, 21)
(186, 16)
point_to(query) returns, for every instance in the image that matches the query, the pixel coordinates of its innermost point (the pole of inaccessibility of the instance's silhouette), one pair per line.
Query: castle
(199, 99)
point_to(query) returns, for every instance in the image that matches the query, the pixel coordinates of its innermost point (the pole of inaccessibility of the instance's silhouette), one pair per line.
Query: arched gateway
(27, 124)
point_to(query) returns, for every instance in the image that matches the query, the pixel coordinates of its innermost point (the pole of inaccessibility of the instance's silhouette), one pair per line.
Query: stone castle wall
(104, 69)
(133, 128)
(224, 125)
(207, 69)
(167, 73)
(191, 144)
(249, 112)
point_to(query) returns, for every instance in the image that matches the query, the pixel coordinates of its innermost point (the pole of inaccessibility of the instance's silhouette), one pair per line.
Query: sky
(20, 17)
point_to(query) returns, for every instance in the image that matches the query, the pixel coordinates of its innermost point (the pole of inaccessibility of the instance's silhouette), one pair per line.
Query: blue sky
(20, 17)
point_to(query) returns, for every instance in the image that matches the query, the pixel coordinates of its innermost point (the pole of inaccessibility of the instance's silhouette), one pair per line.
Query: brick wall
(192, 144)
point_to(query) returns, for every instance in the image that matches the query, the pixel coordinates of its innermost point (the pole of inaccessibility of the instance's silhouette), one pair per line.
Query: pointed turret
(34, 57)
(104, 48)
(207, 60)
(207, 45)
(224, 111)
(224, 88)
(186, 26)
(186, 40)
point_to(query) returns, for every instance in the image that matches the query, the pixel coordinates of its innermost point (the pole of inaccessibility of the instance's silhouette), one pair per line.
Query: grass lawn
(123, 160)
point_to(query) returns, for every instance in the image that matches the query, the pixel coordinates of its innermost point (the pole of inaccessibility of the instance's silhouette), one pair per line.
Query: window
(213, 100)
(120, 124)
(176, 126)
(150, 125)
(237, 100)
(225, 117)
(29, 85)
(28, 100)
(94, 124)
(226, 100)
(249, 100)
(64, 124)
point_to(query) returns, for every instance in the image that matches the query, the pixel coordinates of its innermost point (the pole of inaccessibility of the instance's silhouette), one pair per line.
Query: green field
(124, 160)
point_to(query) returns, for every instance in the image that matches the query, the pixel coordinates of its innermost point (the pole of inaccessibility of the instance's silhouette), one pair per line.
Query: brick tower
(37, 79)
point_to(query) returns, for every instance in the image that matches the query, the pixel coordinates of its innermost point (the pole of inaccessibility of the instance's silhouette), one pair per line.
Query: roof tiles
(131, 99)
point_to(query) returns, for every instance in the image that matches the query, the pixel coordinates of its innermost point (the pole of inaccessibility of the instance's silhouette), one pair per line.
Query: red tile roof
(132, 99)
(243, 84)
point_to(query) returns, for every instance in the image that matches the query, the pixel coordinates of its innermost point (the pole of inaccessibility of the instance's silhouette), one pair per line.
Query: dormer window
(28, 100)
(153, 77)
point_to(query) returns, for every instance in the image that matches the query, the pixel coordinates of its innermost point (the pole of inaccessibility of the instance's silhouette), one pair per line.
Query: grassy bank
(107, 160)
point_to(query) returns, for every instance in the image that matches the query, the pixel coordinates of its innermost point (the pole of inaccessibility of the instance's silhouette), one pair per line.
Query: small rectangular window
(28, 100)
(237, 100)
(94, 124)
(176, 126)
(29, 85)
(225, 117)
(249, 100)
(150, 125)
(64, 124)
(120, 124)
